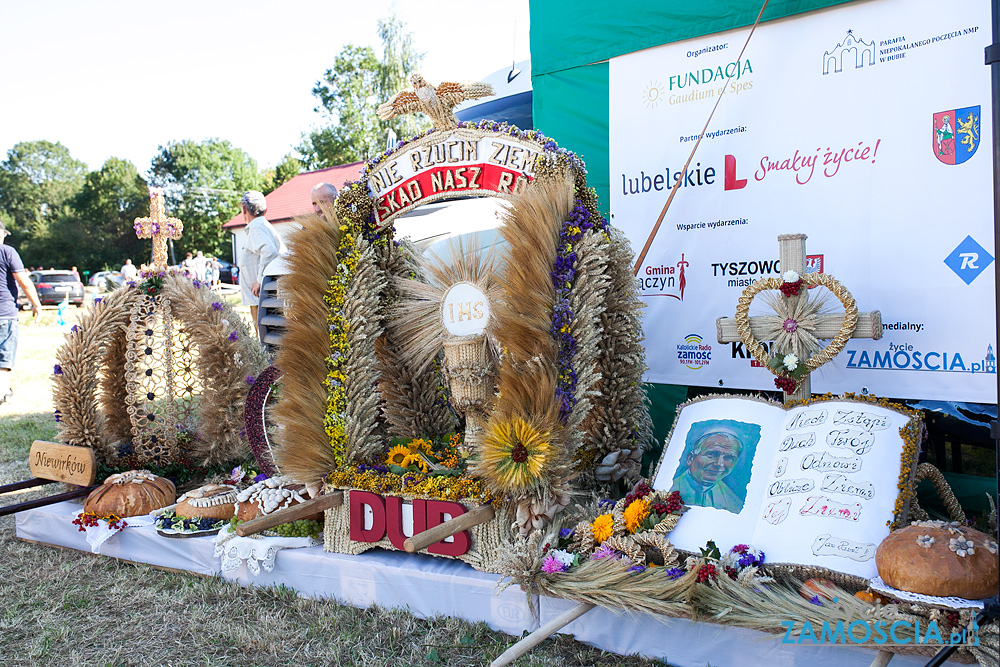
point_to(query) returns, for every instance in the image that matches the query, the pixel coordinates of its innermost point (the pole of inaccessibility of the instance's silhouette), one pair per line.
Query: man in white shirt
(263, 245)
(129, 272)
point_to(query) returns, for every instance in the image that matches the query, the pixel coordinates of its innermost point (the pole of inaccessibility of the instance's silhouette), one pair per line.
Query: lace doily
(99, 534)
(880, 586)
(257, 550)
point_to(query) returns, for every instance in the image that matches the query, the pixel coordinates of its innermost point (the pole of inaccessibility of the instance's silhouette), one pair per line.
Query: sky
(110, 78)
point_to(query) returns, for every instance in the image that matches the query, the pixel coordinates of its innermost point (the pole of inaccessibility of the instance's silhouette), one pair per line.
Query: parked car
(98, 278)
(228, 273)
(107, 281)
(53, 287)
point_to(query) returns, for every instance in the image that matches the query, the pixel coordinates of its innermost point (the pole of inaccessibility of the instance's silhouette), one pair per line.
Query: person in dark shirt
(12, 275)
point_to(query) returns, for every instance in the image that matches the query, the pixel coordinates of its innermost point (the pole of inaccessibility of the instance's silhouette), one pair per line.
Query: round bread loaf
(940, 559)
(271, 495)
(131, 493)
(212, 501)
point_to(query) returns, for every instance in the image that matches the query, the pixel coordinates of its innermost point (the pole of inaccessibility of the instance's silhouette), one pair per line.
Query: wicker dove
(437, 103)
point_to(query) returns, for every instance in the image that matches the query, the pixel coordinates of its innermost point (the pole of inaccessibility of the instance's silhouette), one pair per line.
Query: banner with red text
(865, 126)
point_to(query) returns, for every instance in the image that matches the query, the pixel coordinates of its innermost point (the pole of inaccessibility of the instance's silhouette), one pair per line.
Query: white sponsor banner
(865, 126)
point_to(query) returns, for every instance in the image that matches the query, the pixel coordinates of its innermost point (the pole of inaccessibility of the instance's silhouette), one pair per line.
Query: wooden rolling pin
(289, 514)
(474, 517)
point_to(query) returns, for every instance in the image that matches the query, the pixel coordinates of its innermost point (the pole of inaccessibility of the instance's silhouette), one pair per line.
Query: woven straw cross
(792, 253)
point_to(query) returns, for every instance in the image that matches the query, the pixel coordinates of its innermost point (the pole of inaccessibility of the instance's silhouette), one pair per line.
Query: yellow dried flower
(513, 454)
(635, 514)
(603, 527)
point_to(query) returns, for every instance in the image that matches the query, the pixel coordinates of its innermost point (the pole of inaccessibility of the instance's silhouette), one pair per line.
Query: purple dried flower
(250, 379)
(74, 328)
(604, 552)
(233, 336)
(565, 532)
(57, 370)
(551, 565)
(98, 299)
(816, 601)
(216, 305)
(636, 569)
(259, 478)
(674, 572)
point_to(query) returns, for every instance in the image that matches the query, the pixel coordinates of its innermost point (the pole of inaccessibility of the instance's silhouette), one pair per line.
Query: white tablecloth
(427, 586)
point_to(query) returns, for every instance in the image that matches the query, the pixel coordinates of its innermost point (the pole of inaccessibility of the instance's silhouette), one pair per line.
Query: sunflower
(420, 445)
(635, 514)
(603, 527)
(414, 459)
(513, 453)
(397, 455)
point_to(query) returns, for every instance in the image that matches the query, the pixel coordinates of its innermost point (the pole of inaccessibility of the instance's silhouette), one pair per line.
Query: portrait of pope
(703, 477)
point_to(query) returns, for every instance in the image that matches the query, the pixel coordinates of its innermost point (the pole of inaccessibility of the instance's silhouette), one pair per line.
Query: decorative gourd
(131, 493)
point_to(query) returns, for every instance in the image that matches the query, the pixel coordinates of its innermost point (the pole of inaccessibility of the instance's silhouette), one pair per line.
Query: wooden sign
(63, 463)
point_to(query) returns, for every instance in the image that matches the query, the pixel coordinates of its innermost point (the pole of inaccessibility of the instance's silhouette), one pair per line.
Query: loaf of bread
(271, 495)
(132, 493)
(940, 559)
(212, 501)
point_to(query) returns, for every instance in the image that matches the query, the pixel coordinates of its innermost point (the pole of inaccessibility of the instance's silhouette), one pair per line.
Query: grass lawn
(64, 607)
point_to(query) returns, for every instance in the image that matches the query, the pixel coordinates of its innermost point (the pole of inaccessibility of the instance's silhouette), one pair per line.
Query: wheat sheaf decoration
(524, 454)
(302, 449)
(414, 401)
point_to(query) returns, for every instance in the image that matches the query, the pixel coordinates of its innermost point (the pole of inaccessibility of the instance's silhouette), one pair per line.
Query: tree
(37, 180)
(203, 183)
(106, 207)
(350, 92)
(289, 167)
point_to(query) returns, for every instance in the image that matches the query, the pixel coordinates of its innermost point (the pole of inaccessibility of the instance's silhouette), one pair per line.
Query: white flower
(563, 556)
(790, 277)
(225, 322)
(790, 361)
(925, 541)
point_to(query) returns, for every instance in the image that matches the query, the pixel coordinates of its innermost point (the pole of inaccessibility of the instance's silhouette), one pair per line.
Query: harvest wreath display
(156, 372)
(504, 381)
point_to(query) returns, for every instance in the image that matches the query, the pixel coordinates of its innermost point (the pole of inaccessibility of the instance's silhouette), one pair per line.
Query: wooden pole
(42, 502)
(882, 659)
(473, 517)
(26, 484)
(289, 514)
(541, 634)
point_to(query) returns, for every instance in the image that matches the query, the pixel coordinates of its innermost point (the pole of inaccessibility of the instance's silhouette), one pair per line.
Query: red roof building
(292, 197)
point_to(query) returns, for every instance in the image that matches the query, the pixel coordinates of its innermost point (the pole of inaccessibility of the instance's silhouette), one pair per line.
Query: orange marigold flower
(635, 514)
(604, 527)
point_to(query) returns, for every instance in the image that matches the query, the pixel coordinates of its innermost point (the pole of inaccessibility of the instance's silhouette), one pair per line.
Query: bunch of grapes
(300, 528)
